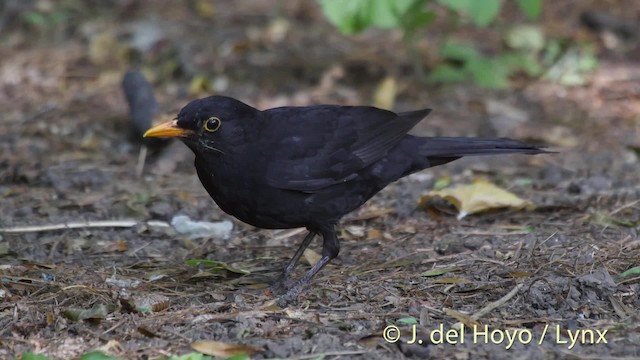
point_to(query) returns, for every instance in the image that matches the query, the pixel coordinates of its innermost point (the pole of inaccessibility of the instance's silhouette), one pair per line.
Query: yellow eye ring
(212, 124)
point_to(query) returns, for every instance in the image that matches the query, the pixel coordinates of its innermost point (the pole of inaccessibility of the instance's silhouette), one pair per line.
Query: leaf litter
(64, 159)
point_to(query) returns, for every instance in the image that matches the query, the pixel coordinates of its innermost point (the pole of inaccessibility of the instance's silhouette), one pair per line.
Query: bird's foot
(291, 295)
(282, 284)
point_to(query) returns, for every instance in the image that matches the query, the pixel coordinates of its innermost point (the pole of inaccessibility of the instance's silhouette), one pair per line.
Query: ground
(67, 157)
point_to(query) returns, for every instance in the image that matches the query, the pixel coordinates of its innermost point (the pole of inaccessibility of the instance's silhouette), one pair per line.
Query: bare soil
(66, 156)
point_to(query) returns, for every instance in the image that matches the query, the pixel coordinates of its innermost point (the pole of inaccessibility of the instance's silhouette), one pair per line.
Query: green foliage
(525, 37)
(569, 65)
(32, 356)
(531, 8)
(43, 20)
(461, 61)
(465, 62)
(96, 355)
(408, 320)
(354, 16)
(482, 13)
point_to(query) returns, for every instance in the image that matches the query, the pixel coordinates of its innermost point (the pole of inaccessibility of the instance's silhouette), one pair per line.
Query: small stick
(81, 225)
(491, 306)
(142, 158)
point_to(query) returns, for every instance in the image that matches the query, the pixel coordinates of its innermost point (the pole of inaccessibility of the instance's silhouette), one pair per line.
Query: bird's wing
(325, 145)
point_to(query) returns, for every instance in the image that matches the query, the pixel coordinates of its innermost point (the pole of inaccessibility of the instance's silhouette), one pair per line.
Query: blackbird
(308, 166)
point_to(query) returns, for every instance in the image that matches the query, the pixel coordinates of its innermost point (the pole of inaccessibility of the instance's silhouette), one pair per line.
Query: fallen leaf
(120, 246)
(476, 197)
(96, 313)
(199, 84)
(218, 348)
(355, 230)
(461, 317)
(371, 213)
(374, 234)
(634, 271)
(216, 266)
(151, 303)
(408, 320)
(520, 274)
(451, 280)
(204, 8)
(385, 94)
(439, 271)
(311, 257)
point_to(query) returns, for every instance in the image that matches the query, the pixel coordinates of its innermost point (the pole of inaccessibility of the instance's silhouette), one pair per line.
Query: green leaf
(191, 356)
(216, 265)
(531, 8)
(525, 62)
(457, 51)
(483, 12)
(240, 357)
(525, 37)
(552, 51)
(408, 320)
(357, 15)
(415, 20)
(634, 271)
(96, 312)
(587, 61)
(96, 355)
(439, 271)
(35, 18)
(488, 73)
(33, 356)
(457, 5)
(446, 74)
(389, 13)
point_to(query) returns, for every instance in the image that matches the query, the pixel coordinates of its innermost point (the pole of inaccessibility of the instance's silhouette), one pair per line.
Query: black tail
(441, 150)
(460, 146)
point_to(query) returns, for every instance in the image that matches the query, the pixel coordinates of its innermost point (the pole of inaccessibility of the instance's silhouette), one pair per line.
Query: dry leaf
(385, 95)
(151, 303)
(477, 197)
(371, 213)
(120, 246)
(374, 234)
(311, 257)
(218, 348)
(199, 84)
(461, 317)
(204, 8)
(355, 230)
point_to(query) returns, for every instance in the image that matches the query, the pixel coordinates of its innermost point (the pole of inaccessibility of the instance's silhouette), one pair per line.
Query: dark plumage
(308, 166)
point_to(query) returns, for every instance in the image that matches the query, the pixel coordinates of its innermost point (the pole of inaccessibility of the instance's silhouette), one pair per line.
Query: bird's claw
(291, 295)
(282, 284)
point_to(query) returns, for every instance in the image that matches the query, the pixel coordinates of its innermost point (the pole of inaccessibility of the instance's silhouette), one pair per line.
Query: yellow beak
(168, 129)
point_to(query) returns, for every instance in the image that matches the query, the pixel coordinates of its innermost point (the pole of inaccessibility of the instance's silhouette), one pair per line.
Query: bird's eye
(212, 124)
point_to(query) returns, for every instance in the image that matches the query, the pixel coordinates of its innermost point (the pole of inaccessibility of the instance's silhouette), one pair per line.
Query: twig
(491, 306)
(329, 353)
(624, 207)
(491, 233)
(142, 157)
(288, 233)
(82, 225)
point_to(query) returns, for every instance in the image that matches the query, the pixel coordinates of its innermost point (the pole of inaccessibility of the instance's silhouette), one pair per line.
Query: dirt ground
(67, 157)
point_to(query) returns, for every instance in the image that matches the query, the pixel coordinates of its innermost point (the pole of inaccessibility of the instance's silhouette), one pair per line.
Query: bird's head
(214, 123)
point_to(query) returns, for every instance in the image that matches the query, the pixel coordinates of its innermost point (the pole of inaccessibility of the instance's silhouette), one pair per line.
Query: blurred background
(562, 73)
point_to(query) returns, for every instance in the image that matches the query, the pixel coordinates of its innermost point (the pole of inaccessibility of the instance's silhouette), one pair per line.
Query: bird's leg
(283, 279)
(330, 249)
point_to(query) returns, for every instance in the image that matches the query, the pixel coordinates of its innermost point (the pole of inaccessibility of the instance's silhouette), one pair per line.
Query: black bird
(308, 166)
(143, 106)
